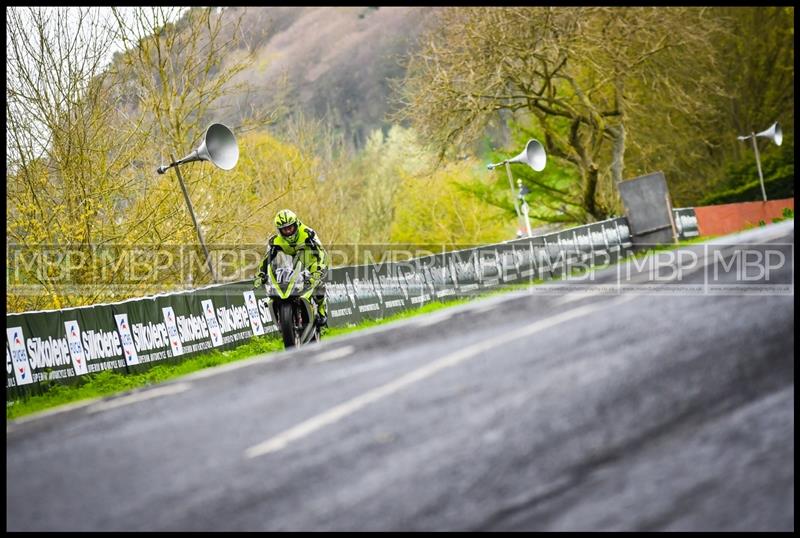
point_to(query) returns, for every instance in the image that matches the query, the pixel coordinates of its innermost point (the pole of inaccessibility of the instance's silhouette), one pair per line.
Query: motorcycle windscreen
(285, 273)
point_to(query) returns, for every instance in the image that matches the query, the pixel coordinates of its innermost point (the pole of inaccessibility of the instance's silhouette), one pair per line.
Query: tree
(583, 74)
(178, 74)
(79, 128)
(66, 149)
(437, 210)
(756, 59)
(382, 166)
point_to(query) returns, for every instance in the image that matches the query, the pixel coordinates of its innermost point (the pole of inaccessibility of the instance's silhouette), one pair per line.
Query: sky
(101, 16)
(105, 13)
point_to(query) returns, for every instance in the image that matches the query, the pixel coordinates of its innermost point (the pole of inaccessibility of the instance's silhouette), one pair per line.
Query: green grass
(426, 308)
(108, 382)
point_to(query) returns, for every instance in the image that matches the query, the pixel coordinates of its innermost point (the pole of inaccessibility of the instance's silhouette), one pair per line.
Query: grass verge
(107, 382)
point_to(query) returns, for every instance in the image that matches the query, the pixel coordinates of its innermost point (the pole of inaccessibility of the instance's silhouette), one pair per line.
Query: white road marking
(483, 308)
(210, 372)
(138, 397)
(432, 319)
(347, 408)
(577, 296)
(335, 354)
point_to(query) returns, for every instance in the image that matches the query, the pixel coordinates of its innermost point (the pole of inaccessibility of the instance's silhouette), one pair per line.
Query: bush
(788, 213)
(776, 188)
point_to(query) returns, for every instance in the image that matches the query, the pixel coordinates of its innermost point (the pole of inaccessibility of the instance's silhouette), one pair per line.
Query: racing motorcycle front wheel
(287, 325)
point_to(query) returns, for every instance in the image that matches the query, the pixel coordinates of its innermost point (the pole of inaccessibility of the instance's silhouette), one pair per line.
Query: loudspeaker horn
(533, 155)
(218, 146)
(774, 133)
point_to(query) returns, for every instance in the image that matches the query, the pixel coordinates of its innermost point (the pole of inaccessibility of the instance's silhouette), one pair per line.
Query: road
(529, 411)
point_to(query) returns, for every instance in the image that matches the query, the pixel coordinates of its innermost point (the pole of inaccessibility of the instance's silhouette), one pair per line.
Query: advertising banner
(342, 303)
(132, 335)
(73, 330)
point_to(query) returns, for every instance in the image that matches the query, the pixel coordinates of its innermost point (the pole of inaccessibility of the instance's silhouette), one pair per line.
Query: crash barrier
(61, 346)
(686, 222)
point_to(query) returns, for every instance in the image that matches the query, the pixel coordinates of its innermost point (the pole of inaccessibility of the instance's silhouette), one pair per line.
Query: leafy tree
(69, 149)
(756, 59)
(587, 75)
(383, 164)
(740, 181)
(438, 210)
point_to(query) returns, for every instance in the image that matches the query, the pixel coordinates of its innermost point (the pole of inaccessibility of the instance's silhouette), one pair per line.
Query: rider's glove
(315, 279)
(259, 280)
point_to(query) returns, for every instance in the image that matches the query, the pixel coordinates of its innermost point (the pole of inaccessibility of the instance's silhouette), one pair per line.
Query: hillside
(333, 62)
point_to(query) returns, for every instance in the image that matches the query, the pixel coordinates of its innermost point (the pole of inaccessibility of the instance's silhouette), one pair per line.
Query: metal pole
(671, 220)
(511, 186)
(194, 219)
(527, 219)
(524, 205)
(758, 164)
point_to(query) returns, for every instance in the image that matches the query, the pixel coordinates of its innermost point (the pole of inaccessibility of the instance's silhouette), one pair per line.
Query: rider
(294, 237)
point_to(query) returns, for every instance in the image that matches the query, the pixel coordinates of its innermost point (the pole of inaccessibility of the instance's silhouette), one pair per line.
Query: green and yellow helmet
(287, 224)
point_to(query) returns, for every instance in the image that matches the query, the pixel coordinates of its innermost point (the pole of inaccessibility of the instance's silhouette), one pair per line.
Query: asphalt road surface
(667, 409)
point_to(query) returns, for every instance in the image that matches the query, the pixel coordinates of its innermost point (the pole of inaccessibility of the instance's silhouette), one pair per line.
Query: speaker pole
(194, 219)
(775, 134)
(511, 186)
(521, 197)
(219, 147)
(534, 156)
(758, 165)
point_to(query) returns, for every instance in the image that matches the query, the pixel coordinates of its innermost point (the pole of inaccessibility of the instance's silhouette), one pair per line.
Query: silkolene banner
(60, 346)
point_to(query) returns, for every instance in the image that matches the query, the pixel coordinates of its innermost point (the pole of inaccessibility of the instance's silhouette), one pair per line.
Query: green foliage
(776, 188)
(553, 192)
(741, 183)
(386, 162)
(599, 83)
(776, 162)
(756, 60)
(787, 213)
(440, 209)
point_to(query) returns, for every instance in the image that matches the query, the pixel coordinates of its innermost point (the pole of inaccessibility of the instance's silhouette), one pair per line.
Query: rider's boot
(322, 314)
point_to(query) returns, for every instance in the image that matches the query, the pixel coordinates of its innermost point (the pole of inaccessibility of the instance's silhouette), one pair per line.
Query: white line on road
(216, 370)
(577, 296)
(139, 396)
(345, 409)
(483, 308)
(335, 354)
(432, 319)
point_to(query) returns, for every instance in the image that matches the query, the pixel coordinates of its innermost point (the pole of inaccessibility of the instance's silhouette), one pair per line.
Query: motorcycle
(291, 304)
